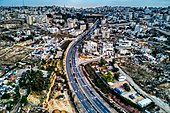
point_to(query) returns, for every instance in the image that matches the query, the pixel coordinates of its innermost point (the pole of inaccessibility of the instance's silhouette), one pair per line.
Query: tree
(38, 81)
(98, 83)
(126, 87)
(113, 62)
(102, 62)
(24, 100)
(104, 90)
(116, 76)
(108, 77)
(43, 61)
(115, 69)
(5, 96)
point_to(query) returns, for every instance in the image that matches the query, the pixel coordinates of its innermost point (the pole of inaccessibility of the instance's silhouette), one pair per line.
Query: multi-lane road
(87, 97)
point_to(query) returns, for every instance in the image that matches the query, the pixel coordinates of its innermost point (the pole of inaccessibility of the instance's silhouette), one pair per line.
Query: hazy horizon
(87, 3)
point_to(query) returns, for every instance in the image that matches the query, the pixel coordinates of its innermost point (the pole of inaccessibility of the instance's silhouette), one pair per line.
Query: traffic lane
(90, 93)
(92, 96)
(96, 100)
(73, 51)
(80, 96)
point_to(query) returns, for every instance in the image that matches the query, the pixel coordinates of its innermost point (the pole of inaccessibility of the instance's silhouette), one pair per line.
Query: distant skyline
(87, 3)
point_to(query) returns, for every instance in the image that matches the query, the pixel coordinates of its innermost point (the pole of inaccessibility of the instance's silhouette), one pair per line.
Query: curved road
(88, 99)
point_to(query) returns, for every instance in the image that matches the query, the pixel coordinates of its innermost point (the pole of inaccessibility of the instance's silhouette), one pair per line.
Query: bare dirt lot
(60, 104)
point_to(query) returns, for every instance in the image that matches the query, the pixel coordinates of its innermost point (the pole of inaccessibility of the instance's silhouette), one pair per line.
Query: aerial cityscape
(77, 56)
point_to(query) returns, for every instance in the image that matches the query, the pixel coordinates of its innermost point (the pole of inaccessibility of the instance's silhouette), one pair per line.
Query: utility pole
(23, 3)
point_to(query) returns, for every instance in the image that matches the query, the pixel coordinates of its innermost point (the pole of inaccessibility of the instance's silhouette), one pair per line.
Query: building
(76, 32)
(90, 24)
(70, 23)
(124, 43)
(41, 19)
(106, 33)
(140, 27)
(29, 20)
(149, 57)
(96, 32)
(90, 47)
(144, 102)
(123, 52)
(160, 38)
(108, 49)
(53, 29)
(103, 22)
(122, 78)
(83, 27)
(130, 15)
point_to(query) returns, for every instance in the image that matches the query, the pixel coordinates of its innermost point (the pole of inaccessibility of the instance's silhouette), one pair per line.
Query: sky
(87, 3)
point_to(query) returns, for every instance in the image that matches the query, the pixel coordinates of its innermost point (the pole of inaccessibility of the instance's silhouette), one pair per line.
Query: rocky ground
(11, 55)
(154, 81)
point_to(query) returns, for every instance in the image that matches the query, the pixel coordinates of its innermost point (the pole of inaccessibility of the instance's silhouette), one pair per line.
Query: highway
(88, 99)
(86, 89)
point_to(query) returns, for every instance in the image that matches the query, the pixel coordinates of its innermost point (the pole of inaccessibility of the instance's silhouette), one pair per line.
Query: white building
(106, 33)
(70, 22)
(41, 19)
(145, 49)
(108, 49)
(160, 38)
(96, 32)
(53, 29)
(123, 51)
(124, 43)
(81, 22)
(139, 28)
(29, 20)
(83, 27)
(103, 21)
(144, 102)
(149, 57)
(28, 32)
(122, 78)
(76, 32)
(130, 15)
(166, 17)
(90, 47)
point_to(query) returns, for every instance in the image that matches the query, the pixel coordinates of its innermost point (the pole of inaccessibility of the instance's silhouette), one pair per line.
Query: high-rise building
(29, 20)
(166, 17)
(130, 15)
